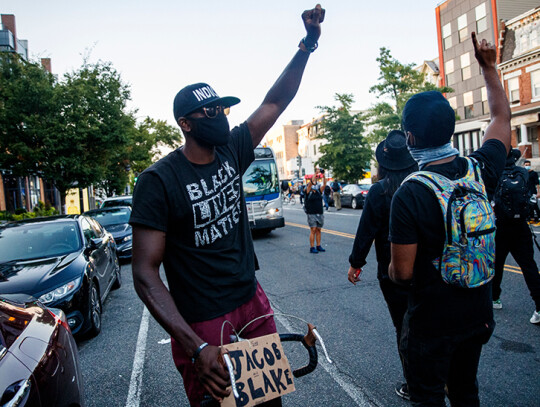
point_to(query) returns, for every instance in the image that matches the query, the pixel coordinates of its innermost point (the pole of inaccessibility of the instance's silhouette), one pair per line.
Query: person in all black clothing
(395, 163)
(445, 326)
(514, 236)
(534, 184)
(189, 215)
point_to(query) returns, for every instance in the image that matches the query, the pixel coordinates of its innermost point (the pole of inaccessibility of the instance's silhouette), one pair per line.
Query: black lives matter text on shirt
(209, 258)
(416, 218)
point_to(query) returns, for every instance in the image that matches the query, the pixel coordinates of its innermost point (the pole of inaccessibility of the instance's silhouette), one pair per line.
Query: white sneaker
(535, 319)
(497, 304)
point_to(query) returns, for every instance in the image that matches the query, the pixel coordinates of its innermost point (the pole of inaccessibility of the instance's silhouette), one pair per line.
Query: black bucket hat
(198, 95)
(392, 152)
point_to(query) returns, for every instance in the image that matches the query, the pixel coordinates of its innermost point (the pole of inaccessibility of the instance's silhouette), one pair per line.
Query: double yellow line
(507, 267)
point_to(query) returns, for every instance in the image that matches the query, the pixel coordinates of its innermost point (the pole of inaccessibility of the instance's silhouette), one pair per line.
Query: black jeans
(514, 237)
(396, 298)
(432, 362)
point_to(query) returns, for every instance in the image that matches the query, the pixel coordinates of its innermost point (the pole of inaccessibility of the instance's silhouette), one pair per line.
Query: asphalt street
(129, 363)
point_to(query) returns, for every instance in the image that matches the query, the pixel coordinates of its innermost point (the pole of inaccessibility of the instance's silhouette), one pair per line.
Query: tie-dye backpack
(468, 257)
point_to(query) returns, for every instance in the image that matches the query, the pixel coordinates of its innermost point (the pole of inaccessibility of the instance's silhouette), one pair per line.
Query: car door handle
(17, 393)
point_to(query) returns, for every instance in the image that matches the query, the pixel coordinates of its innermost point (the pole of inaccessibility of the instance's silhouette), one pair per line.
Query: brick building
(456, 19)
(284, 141)
(519, 65)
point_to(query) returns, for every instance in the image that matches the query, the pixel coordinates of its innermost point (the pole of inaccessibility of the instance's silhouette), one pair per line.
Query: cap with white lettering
(198, 95)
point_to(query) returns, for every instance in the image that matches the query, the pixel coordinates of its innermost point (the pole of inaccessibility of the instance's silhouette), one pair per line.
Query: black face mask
(211, 132)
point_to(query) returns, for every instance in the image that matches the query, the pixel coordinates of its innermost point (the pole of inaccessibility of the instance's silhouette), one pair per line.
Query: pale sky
(239, 47)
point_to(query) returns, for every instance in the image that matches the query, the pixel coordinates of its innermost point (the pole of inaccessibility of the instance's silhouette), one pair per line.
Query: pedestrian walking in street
(534, 192)
(513, 231)
(395, 163)
(189, 215)
(336, 194)
(327, 192)
(450, 313)
(302, 192)
(314, 211)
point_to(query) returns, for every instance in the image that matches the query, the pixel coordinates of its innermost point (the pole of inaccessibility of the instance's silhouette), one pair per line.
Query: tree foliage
(347, 151)
(74, 132)
(397, 83)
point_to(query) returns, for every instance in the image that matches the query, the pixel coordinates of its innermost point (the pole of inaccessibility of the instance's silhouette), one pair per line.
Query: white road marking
(355, 392)
(135, 384)
(164, 341)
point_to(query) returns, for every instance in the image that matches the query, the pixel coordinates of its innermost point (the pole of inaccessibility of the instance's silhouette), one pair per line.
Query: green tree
(347, 151)
(145, 141)
(92, 125)
(397, 83)
(27, 113)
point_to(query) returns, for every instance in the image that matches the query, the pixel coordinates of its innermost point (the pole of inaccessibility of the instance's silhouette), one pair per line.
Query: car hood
(121, 229)
(38, 276)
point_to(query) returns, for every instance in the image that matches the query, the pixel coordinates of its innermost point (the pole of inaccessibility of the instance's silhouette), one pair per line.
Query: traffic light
(298, 161)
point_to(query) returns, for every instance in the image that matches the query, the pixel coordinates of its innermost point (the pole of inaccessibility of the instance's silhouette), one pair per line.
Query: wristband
(305, 48)
(198, 352)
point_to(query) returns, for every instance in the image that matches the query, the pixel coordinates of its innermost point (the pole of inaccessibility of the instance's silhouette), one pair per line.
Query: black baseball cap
(430, 119)
(198, 95)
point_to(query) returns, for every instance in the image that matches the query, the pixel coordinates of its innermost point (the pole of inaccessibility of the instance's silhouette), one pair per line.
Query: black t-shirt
(314, 204)
(533, 182)
(373, 225)
(209, 258)
(437, 308)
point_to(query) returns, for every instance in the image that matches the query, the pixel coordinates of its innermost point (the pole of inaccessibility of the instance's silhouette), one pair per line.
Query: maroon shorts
(210, 331)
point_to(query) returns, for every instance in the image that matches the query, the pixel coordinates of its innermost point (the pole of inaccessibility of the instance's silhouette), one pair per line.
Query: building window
(513, 90)
(535, 84)
(468, 103)
(314, 149)
(481, 18)
(453, 103)
(462, 28)
(532, 134)
(450, 76)
(465, 66)
(533, 39)
(485, 104)
(447, 36)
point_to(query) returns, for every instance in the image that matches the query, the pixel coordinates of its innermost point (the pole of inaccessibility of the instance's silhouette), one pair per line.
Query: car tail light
(59, 316)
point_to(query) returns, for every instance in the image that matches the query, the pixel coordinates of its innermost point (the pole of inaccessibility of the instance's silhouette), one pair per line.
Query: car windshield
(111, 216)
(117, 202)
(261, 178)
(38, 240)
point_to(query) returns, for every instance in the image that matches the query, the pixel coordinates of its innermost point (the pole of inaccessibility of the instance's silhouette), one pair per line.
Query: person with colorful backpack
(442, 234)
(513, 232)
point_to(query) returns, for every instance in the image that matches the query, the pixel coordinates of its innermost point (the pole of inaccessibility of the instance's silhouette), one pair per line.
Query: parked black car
(39, 363)
(67, 262)
(354, 195)
(115, 221)
(124, 200)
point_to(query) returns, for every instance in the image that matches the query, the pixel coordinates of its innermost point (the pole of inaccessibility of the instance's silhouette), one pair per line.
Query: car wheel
(354, 204)
(118, 282)
(94, 305)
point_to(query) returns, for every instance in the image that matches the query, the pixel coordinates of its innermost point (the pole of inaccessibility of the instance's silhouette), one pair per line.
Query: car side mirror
(94, 243)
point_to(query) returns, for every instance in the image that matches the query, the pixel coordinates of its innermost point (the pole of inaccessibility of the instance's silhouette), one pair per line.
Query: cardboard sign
(262, 371)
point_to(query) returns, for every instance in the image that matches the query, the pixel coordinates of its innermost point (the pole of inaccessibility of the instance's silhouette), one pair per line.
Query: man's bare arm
(148, 252)
(402, 264)
(499, 128)
(284, 89)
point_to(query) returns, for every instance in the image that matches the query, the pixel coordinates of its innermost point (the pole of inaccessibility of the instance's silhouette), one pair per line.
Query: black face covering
(211, 132)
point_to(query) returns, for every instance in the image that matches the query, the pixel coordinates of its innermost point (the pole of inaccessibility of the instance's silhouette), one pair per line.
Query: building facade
(284, 141)
(456, 20)
(519, 65)
(309, 146)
